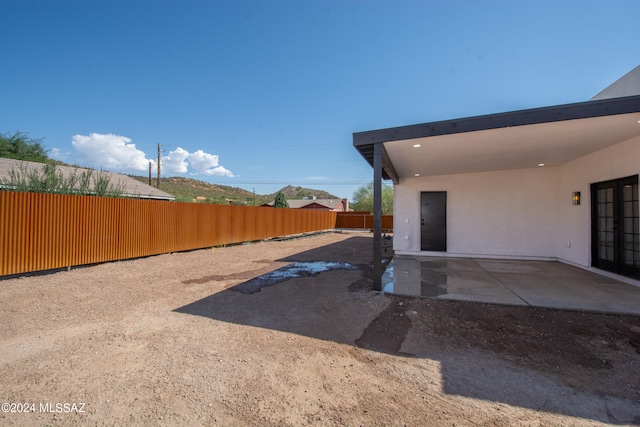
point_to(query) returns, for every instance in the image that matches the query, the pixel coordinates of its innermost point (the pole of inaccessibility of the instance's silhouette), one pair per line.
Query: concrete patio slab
(548, 284)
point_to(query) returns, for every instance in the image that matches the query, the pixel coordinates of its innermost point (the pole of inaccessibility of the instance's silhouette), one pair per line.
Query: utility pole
(150, 182)
(159, 157)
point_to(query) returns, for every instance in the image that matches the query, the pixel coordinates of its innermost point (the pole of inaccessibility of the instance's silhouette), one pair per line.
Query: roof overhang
(512, 140)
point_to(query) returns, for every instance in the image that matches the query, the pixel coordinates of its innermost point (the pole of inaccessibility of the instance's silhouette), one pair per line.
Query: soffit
(512, 140)
(518, 147)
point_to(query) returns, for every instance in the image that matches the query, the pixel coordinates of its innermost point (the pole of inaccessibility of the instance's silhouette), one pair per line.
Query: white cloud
(175, 161)
(116, 153)
(109, 152)
(220, 171)
(56, 153)
(207, 164)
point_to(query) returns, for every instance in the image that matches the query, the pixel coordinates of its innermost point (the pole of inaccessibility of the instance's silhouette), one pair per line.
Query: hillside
(190, 190)
(292, 192)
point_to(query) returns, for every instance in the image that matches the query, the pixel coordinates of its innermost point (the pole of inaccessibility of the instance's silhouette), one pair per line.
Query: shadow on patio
(485, 350)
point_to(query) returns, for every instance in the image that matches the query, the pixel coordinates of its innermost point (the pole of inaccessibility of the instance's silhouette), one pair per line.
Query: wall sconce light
(575, 198)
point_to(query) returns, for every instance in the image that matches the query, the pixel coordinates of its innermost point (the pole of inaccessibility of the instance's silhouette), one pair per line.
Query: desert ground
(192, 339)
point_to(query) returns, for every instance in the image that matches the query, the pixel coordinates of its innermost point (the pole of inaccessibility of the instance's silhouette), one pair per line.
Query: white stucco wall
(488, 214)
(574, 222)
(525, 214)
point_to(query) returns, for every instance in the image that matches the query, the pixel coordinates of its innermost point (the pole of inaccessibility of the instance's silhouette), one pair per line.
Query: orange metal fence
(47, 231)
(362, 220)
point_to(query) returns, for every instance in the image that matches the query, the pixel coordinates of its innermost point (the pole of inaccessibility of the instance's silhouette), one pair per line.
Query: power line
(268, 163)
(295, 146)
(233, 183)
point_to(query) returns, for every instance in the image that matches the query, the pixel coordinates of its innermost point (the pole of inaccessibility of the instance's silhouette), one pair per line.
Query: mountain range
(192, 190)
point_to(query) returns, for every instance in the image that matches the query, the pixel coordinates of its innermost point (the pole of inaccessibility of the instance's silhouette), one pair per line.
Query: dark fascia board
(388, 170)
(364, 141)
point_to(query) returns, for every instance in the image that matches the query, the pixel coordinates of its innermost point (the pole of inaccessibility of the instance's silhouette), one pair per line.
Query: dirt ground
(190, 339)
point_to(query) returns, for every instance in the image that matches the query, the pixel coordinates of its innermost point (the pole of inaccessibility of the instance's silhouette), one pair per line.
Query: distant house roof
(326, 204)
(309, 204)
(132, 187)
(330, 204)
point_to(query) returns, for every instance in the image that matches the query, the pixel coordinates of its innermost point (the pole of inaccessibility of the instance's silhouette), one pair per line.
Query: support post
(377, 217)
(159, 159)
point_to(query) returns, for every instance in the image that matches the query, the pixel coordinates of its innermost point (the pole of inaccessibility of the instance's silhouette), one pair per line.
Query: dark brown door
(433, 224)
(615, 236)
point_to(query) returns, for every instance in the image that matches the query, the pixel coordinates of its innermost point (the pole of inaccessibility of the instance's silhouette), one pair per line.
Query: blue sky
(263, 94)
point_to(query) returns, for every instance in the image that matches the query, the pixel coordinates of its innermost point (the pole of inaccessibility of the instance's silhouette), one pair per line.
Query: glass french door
(615, 236)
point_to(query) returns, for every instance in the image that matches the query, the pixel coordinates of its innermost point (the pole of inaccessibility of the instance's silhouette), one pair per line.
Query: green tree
(281, 201)
(363, 199)
(20, 146)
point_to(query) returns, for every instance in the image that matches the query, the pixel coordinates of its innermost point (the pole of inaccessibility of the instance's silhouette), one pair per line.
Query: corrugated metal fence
(362, 220)
(47, 231)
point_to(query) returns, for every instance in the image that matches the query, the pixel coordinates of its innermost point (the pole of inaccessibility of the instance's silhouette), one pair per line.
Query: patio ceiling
(514, 140)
